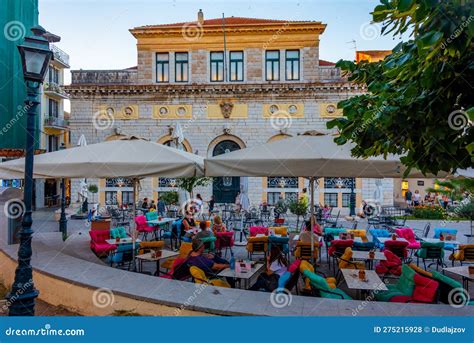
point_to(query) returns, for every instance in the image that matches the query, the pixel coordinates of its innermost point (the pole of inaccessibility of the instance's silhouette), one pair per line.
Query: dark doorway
(225, 189)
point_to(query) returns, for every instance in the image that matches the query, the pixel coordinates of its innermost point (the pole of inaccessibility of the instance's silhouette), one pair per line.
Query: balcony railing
(52, 88)
(55, 122)
(59, 55)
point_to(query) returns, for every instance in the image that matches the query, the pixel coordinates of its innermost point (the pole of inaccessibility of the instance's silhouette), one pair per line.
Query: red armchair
(409, 235)
(399, 248)
(256, 230)
(98, 242)
(142, 226)
(392, 266)
(425, 291)
(224, 240)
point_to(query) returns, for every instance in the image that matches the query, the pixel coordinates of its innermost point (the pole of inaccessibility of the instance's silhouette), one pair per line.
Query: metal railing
(56, 122)
(59, 54)
(54, 87)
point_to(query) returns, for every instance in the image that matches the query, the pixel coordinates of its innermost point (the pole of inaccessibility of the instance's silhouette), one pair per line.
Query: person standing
(417, 198)
(304, 197)
(408, 198)
(211, 204)
(161, 207)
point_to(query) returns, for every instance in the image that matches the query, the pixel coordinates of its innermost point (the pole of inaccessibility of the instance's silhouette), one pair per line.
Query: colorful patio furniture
(179, 270)
(448, 235)
(425, 291)
(257, 245)
(303, 251)
(122, 255)
(184, 250)
(258, 230)
(464, 253)
(200, 277)
(431, 251)
(321, 288)
(98, 242)
(404, 286)
(142, 226)
(390, 267)
(282, 243)
(224, 241)
(376, 233)
(146, 247)
(399, 248)
(119, 232)
(409, 235)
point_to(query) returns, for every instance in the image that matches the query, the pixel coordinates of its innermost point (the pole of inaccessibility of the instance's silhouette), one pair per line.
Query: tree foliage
(456, 189)
(189, 183)
(419, 99)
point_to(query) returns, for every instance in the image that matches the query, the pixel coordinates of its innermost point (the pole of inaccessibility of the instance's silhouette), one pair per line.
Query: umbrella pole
(311, 211)
(134, 228)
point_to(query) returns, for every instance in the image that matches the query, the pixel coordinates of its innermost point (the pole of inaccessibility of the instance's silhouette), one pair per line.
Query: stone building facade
(229, 85)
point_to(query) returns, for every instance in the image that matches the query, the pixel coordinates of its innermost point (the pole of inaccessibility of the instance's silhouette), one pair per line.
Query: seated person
(208, 263)
(204, 231)
(145, 204)
(218, 226)
(188, 224)
(277, 265)
(305, 236)
(152, 206)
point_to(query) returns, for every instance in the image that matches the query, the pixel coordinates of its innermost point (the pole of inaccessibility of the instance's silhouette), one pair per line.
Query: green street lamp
(35, 57)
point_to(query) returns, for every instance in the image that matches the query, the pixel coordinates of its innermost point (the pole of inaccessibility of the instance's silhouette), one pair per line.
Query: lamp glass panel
(34, 62)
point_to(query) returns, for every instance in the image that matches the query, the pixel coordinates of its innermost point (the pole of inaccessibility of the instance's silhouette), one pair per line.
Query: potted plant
(93, 189)
(298, 208)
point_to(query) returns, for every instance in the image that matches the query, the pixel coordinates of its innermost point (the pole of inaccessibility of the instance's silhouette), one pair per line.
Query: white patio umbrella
(307, 156)
(133, 159)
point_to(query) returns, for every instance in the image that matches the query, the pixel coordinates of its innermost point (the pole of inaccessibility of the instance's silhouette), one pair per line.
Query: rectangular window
(181, 66)
(127, 197)
(53, 108)
(217, 66)
(236, 65)
(272, 65)
(292, 65)
(162, 67)
(330, 199)
(110, 197)
(272, 197)
(346, 199)
(53, 75)
(53, 143)
(291, 196)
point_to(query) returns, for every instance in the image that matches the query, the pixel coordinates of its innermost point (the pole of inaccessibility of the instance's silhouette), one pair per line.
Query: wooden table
(245, 277)
(148, 258)
(364, 256)
(462, 271)
(127, 240)
(373, 283)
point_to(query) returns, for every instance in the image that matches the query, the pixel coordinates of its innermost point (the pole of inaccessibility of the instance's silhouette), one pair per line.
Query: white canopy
(120, 158)
(304, 156)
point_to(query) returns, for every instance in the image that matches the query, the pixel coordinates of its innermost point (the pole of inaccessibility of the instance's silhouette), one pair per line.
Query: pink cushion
(400, 299)
(294, 266)
(255, 230)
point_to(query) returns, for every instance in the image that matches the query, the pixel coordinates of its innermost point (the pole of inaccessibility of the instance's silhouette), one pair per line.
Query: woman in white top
(277, 265)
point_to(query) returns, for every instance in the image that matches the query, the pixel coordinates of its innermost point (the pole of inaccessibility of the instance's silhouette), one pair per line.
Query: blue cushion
(283, 280)
(151, 216)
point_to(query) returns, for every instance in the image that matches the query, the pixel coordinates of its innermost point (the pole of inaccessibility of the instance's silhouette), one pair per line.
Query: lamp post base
(22, 304)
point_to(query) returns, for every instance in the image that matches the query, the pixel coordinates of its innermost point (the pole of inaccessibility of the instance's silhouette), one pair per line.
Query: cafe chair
(98, 242)
(279, 221)
(359, 233)
(329, 234)
(321, 288)
(279, 230)
(258, 230)
(184, 250)
(146, 247)
(118, 232)
(122, 255)
(257, 245)
(425, 291)
(450, 290)
(431, 252)
(282, 243)
(305, 265)
(200, 277)
(398, 247)
(404, 286)
(465, 253)
(363, 246)
(345, 262)
(338, 247)
(179, 270)
(151, 216)
(448, 235)
(209, 243)
(392, 267)
(379, 233)
(224, 241)
(142, 227)
(409, 235)
(303, 251)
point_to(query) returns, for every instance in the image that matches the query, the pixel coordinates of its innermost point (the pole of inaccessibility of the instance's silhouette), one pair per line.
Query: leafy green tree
(456, 189)
(298, 208)
(419, 99)
(189, 183)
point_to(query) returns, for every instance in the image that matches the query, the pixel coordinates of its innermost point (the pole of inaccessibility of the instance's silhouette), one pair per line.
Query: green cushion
(151, 215)
(422, 253)
(119, 232)
(404, 286)
(317, 281)
(387, 295)
(447, 280)
(333, 231)
(335, 296)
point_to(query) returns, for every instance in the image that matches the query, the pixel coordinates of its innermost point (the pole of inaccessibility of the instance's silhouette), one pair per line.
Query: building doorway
(225, 189)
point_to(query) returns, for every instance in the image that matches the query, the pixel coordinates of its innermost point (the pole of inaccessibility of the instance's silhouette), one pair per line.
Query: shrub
(433, 212)
(170, 198)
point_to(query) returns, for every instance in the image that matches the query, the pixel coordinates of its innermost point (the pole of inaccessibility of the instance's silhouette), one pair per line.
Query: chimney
(200, 17)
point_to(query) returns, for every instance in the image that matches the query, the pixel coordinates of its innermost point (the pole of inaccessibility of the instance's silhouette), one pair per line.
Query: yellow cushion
(359, 233)
(198, 275)
(420, 270)
(305, 265)
(219, 283)
(147, 246)
(299, 244)
(168, 264)
(331, 282)
(252, 240)
(185, 249)
(347, 256)
(280, 230)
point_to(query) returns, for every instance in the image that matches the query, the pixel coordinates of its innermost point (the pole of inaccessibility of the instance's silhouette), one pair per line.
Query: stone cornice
(287, 89)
